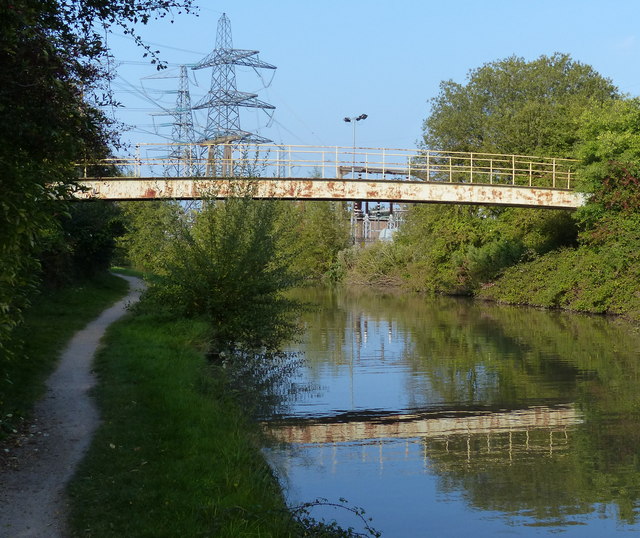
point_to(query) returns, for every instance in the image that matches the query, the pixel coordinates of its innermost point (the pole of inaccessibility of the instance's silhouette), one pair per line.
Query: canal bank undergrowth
(602, 280)
(599, 275)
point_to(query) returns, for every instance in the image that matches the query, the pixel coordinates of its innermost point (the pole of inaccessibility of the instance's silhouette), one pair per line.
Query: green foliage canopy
(506, 106)
(603, 272)
(315, 232)
(51, 84)
(515, 106)
(609, 152)
(223, 263)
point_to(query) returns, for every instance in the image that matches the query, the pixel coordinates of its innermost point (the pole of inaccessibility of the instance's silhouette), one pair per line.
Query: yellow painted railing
(293, 161)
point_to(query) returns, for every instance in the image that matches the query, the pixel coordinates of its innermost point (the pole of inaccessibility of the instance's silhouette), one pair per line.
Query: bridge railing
(334, 162)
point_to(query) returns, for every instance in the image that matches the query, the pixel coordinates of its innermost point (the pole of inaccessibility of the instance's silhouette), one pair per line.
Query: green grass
(53, 318)
(175, 455)
(127, 271)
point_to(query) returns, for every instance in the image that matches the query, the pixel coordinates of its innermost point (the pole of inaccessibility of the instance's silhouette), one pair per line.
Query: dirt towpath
(32, 495)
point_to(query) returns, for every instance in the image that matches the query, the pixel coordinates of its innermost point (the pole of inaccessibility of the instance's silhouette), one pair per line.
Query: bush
(223, 264)
(484, 263)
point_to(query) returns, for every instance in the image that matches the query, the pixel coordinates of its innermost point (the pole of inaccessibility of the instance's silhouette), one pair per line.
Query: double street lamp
(355, 120)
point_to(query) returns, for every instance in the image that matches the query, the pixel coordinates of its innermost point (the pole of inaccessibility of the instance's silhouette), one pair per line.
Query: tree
(610, 160)
(148, 226)
(316, 231)
(515, 106)
(602, 273)
(81, 243)
(223, 263)
(508, 106)
(51, 82)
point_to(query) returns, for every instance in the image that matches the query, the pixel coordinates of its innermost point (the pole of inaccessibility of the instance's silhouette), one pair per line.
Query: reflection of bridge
(425, 425)
(333, 173)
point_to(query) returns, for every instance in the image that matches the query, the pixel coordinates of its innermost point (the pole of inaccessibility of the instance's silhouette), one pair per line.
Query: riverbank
(175, 455)
(605, 280)
(600, 277)
(171, 441)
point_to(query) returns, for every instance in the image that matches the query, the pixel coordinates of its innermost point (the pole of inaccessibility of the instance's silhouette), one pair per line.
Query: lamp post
(354, 120)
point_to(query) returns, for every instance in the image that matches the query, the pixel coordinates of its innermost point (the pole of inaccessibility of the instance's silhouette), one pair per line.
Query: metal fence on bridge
(296, 161)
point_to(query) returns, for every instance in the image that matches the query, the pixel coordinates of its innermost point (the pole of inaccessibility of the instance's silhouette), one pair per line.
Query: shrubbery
(221, 263)
(587, 260)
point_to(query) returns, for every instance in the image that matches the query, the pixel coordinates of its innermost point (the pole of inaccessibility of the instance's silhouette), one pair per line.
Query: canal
(446, 417)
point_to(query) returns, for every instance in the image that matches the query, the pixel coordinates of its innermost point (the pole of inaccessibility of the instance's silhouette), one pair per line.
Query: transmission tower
(181, 157)
(224, 100)
(180, 162)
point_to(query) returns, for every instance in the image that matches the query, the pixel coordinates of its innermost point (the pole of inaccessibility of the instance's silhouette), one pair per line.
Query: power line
(199, 53)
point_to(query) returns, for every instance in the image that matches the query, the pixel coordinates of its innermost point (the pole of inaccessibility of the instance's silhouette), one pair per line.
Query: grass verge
(175, 455)
(128, 271)
(53, 318)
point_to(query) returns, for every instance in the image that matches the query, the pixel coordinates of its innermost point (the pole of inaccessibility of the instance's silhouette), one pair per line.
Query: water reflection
(496, 417)
(350, 427)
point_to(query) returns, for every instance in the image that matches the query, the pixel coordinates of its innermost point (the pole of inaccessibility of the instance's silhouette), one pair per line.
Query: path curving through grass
(32, 495)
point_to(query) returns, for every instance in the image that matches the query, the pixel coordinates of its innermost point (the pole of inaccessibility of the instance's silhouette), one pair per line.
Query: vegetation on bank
(72, 258)
(55, 83)
(602, 273)
(174, 456)
(221, 263)
(177, 454)
(585, 260)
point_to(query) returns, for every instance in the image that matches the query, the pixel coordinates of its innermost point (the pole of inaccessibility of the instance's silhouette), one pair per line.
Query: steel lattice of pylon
(180, 161)
(224, 100)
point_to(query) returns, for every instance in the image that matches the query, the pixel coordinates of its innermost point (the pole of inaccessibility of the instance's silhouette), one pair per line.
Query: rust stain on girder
(320, 189)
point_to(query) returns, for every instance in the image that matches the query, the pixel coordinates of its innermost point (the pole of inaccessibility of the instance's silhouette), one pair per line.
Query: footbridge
(194, 171)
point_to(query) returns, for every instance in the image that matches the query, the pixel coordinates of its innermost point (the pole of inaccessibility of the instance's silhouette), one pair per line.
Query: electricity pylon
(181, 160)
(224, 100)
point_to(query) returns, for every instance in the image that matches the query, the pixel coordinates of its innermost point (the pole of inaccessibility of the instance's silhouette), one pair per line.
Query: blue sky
(386, 59)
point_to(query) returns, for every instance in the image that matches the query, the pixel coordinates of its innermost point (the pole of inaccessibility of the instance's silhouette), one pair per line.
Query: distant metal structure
(181, 161)
(223, 100)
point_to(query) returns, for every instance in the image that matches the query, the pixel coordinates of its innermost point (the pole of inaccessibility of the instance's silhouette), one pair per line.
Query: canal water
(446, 417)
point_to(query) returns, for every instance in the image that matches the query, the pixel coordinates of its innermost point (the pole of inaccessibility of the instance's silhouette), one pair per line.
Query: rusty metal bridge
(332, 173)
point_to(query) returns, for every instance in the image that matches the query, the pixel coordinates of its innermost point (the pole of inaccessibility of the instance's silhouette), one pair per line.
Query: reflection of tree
(471, 357)
(466, 354)
(326, 325)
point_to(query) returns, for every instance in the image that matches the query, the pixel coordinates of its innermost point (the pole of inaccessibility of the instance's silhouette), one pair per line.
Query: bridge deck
(332, 189)
(333, 173)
